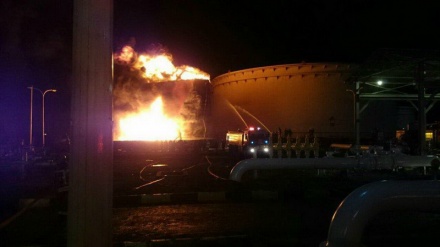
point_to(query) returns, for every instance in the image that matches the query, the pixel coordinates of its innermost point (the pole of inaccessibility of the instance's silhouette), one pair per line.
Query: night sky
(215, 36)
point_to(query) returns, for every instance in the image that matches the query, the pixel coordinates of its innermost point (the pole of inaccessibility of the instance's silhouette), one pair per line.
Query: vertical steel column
(357, 121)
(91, 164)
(422, 108)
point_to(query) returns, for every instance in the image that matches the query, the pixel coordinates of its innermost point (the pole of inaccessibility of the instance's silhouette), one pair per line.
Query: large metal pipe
(271, 164)
(402, 160)
(371, 162)
(355, 211)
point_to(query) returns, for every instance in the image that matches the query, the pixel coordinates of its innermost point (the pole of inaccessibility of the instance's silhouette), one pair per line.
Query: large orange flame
(158, 68)
(149, 124)
(150, 121)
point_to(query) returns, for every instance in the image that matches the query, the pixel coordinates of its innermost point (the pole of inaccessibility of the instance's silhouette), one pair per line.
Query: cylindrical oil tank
(296, 97)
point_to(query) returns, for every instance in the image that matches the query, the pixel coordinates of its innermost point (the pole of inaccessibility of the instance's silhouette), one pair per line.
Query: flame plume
(146, 105)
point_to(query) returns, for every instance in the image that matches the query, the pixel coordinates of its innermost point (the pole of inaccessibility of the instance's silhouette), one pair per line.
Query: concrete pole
(91, 164)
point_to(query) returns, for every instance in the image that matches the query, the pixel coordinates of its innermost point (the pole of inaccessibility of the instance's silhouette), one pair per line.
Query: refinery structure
(392, 93)
(155, 100)
(296, 96)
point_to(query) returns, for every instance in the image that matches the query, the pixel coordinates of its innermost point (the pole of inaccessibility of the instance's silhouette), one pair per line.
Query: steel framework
(407, 75)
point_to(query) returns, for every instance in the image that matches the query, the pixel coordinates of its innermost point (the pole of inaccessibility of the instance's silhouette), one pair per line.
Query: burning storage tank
(154, 100)
(296, 97)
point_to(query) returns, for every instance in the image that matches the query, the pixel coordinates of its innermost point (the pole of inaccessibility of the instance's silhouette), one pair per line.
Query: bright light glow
(429, 135)
(251, 129)
(379, 82)
(252, 150)
(266, 150)
(157, 67)
(150, 124)
(159, 165)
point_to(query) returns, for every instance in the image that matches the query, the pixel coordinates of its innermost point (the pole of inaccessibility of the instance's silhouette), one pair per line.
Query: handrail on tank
(355, 211)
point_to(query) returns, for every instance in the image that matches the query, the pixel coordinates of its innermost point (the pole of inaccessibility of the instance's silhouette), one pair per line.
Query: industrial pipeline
(370, 160)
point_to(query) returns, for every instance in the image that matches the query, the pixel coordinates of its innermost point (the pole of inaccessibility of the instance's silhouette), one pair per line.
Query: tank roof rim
(217, 78)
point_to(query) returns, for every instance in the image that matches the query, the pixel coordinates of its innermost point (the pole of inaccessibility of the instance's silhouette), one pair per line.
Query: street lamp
(32, 107)
(43, 93)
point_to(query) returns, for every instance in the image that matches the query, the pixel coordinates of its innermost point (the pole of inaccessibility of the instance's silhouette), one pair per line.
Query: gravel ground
(237, 224)
(262, 223)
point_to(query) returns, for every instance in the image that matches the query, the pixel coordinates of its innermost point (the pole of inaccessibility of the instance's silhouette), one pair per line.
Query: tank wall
(296, 97)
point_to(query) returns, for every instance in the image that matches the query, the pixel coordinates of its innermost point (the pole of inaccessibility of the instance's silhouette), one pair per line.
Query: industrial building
(337, 101)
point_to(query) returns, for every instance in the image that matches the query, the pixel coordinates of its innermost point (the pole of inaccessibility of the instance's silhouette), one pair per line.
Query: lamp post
(31, 110)
(43, 93)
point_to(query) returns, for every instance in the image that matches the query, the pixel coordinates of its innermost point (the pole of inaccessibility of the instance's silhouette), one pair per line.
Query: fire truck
(249, 143)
